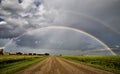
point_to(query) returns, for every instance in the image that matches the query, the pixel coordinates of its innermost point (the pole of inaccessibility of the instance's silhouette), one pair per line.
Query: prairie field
(108, 63)
(10, 64)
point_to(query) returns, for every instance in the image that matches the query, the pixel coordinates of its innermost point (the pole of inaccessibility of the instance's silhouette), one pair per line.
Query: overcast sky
(99, 18)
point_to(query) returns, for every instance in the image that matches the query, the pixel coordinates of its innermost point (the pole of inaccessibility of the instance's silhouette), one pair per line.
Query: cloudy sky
(99, 18)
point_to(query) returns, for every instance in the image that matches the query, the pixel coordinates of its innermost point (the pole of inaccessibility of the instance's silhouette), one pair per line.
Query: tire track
(56, 65)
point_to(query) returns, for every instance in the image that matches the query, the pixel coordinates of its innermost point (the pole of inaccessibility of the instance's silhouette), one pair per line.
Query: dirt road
(55, 65)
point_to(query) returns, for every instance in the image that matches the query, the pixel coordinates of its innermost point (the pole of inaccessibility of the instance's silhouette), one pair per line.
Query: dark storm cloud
(37, 2)
(20, 1)
(1, 19)
(9, 11)
(56, 39)
(30, 41)
(106, 11)
(73, 13)
(9, 31)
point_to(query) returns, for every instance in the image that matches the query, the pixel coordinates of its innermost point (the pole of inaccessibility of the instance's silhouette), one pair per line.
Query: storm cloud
(100, 18)
(57, 39)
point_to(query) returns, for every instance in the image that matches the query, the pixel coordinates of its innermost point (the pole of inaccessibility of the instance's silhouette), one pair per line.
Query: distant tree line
(20, 53)
(1, 51)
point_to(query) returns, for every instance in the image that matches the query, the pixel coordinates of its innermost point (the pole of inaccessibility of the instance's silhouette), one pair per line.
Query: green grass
(108, 63)
(21, 63)
(13, 57)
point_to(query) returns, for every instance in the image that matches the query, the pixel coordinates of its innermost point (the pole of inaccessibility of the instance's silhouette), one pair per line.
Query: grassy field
(10, 64)
(109, 63)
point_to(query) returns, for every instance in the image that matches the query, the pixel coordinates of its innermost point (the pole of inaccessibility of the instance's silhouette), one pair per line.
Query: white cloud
(27, 3)
(17, 21)
(3, 22)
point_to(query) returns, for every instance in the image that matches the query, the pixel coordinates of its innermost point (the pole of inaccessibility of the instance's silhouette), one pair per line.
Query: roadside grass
(8, 67)
(108, 63)
(12, 57)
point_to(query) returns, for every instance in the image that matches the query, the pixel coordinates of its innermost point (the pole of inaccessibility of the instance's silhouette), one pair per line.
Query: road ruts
(56, 65)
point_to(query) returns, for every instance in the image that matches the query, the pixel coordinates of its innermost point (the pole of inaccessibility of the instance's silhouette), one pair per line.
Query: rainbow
(68, 28)
(91, 18)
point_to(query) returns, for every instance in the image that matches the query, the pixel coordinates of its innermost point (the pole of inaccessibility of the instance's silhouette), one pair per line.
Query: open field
(12, 63)
(108, 63)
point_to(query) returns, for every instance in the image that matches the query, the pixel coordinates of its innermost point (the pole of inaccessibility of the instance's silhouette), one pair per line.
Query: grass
(18, 63)
(108, 63)
(12, 57)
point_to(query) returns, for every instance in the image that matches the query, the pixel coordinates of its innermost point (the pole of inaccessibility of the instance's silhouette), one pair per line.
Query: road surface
(56, 65)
